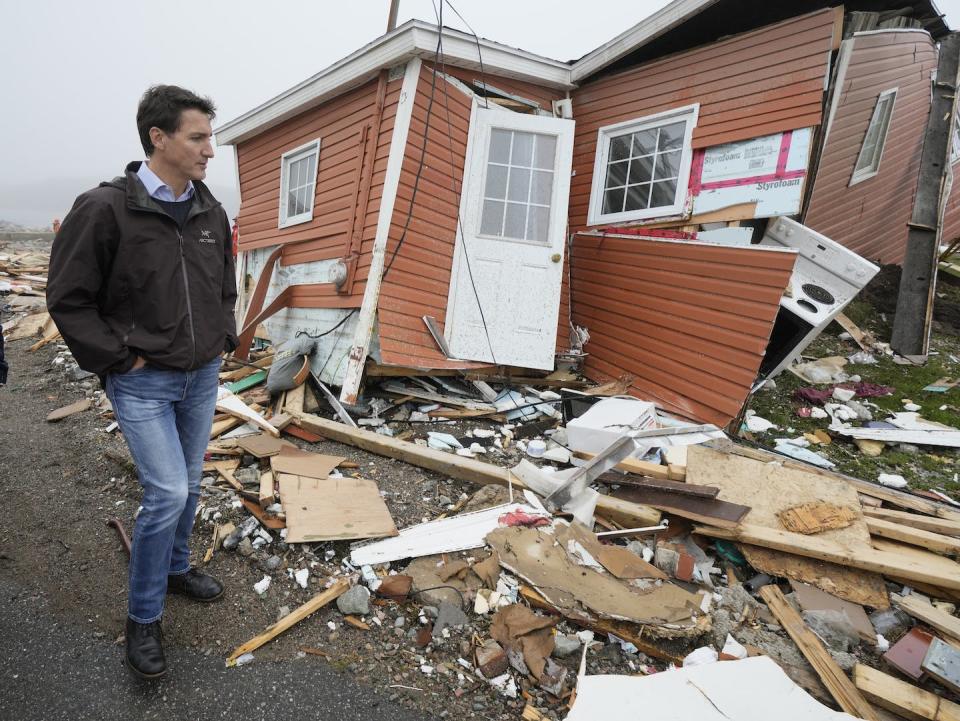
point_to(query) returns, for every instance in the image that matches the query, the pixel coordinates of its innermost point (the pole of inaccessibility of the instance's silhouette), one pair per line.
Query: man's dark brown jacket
(126, 280)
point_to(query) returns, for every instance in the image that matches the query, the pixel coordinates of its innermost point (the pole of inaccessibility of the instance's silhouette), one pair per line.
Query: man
(141, 286)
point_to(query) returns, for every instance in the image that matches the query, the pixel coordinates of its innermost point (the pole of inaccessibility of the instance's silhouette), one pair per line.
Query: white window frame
(955, 138)
(286, 160)
(595, 214)
(871, 170)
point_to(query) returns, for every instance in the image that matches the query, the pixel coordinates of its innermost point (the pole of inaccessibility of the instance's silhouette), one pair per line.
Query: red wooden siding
(871, 217)
(689, 321)
(758, 83)
(419, 281)
(338, 124)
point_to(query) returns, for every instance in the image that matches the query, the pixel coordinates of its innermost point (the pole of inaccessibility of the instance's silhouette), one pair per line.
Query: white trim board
(371, 295)
(414, 38)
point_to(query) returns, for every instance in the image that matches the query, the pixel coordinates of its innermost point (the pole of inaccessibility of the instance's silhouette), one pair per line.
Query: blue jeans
(165, 416)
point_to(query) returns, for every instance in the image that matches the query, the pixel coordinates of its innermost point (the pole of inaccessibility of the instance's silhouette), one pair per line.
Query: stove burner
(808, 306)
(821, 295)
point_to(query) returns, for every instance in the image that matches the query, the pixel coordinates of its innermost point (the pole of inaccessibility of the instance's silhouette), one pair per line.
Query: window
(518, 190)
(642, 167)
(298, 183)
(868, 162)
(955, 138)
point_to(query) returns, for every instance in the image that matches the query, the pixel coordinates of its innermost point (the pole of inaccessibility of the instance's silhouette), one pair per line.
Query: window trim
(687, 113)
(860, 176)
(286, 159)
(955, 138)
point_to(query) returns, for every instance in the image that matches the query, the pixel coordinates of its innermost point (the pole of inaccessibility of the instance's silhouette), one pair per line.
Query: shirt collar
(159, 190)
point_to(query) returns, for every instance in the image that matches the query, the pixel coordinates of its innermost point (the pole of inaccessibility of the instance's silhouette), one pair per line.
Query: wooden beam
(266, 489)
(291, 619)
(226, 469)
(643, 468)
(465, 469)
(812, 648)
(930, 615)
(886, 563)
(915, 520)
(914, 536)
(902, 698)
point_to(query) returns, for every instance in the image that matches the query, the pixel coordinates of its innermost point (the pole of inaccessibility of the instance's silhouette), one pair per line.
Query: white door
(508, 262)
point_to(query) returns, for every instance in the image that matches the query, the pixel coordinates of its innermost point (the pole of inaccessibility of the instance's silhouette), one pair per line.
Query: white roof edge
(667, 18)
(413, 38)
(881, 31)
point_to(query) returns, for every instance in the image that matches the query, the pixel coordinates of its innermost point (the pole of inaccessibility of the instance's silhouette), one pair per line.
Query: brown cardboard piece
(291, 460)
(616, 559)
(580, 592)
(517, 627)
(332, 509)
(263, 445)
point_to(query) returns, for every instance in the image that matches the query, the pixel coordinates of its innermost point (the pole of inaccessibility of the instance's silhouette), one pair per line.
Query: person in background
(141, 286)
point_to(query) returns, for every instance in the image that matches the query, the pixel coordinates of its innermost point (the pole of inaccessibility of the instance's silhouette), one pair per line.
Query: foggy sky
(71, 73)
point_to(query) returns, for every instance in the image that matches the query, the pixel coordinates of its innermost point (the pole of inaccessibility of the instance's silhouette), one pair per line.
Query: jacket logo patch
(205, 237)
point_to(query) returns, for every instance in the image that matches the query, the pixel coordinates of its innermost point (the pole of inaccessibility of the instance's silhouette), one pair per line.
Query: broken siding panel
(759, 83)
(689, 321)
(870, 218)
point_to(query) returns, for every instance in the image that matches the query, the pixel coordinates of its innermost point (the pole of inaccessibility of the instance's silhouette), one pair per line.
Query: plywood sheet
(331, 509)
(293, 461)
(771, 488)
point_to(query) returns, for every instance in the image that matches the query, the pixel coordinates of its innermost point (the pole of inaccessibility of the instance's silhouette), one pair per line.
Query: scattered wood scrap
(936, 542)
(67, 411)
(702, 510)
(931, 615)
(833, 677)
(333, 509)
(915, 520)
(903, 698)
(291, 619)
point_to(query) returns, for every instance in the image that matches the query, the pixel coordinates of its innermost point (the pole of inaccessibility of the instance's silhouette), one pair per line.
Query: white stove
(825, 279)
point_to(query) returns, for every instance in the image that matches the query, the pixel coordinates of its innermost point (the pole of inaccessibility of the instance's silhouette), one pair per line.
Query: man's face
(186, 151)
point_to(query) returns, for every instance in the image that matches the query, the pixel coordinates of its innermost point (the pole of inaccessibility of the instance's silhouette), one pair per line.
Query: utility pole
(392, 17)
(918, 277)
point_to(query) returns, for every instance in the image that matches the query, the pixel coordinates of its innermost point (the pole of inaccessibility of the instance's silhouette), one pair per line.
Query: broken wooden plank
(226, 469)
(293, 400)
(291, 619)
(915, 520)
(67, 411)
(447, 400)
(220, 427)
(464, 469)
(246, 370)
(249, 381)
(931, 615)
(866, 558)
(266, 489)
(862, 339)
(634, 465)
(266, 520)
(914, 536)
(633, 479)
(833, 677)
(903, 698)
(227, 402)
(702, 510)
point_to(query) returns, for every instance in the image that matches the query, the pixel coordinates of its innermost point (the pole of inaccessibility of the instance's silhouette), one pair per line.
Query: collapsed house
(687, 205)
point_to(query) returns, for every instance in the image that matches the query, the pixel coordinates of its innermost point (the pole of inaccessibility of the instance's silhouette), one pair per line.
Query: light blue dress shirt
(160, 190)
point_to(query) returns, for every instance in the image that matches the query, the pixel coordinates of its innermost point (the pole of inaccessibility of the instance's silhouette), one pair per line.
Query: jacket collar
(139, 199)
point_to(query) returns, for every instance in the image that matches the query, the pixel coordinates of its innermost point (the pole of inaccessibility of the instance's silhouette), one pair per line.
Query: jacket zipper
(186, 288)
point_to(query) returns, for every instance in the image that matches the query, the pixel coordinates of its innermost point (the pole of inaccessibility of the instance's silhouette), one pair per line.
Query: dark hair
(161, 106)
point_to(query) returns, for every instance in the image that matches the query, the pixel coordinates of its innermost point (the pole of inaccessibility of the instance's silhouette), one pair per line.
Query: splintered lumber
(227, 402)
(902, 698)
(702, 510)
(69, 410)
(266, 489)
(447, 400)
(221, 427)
(464, 469)
(809, 518)
(833, 677)
(888, 563)
(291, 619)
(293, 400)
(914, 536)
(934, 563)
(634, 465)
(632, 479)
(915, 520)
(930, 615)
(226, 469)
(246, 370)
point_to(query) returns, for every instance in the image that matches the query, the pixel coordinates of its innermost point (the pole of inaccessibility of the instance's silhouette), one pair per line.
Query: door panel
(508, 263)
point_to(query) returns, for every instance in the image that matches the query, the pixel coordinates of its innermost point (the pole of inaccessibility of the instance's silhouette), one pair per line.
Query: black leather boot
(145, 649)
(195, 585)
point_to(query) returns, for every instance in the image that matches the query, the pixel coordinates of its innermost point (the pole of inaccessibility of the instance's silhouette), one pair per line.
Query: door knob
(556, 257)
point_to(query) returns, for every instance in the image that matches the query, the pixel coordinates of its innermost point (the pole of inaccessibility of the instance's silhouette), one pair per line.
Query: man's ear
(158, 138)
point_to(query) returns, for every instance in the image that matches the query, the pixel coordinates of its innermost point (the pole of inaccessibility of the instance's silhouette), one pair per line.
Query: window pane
(546, 152)
(538, 224)
(671, 136)
(522, 149)
(619, 148)
(496, 182)
(542, 187)
(519, 188)
(291, 204)
(294, 176)
(644, 142)
(664, 193)
(616, 174)
(311, 168)
(668, 165)
(638, 197)
(641, 169)
(613, 201)
(302, 200)
(500, 146)
(491, 220)
(516, 221)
